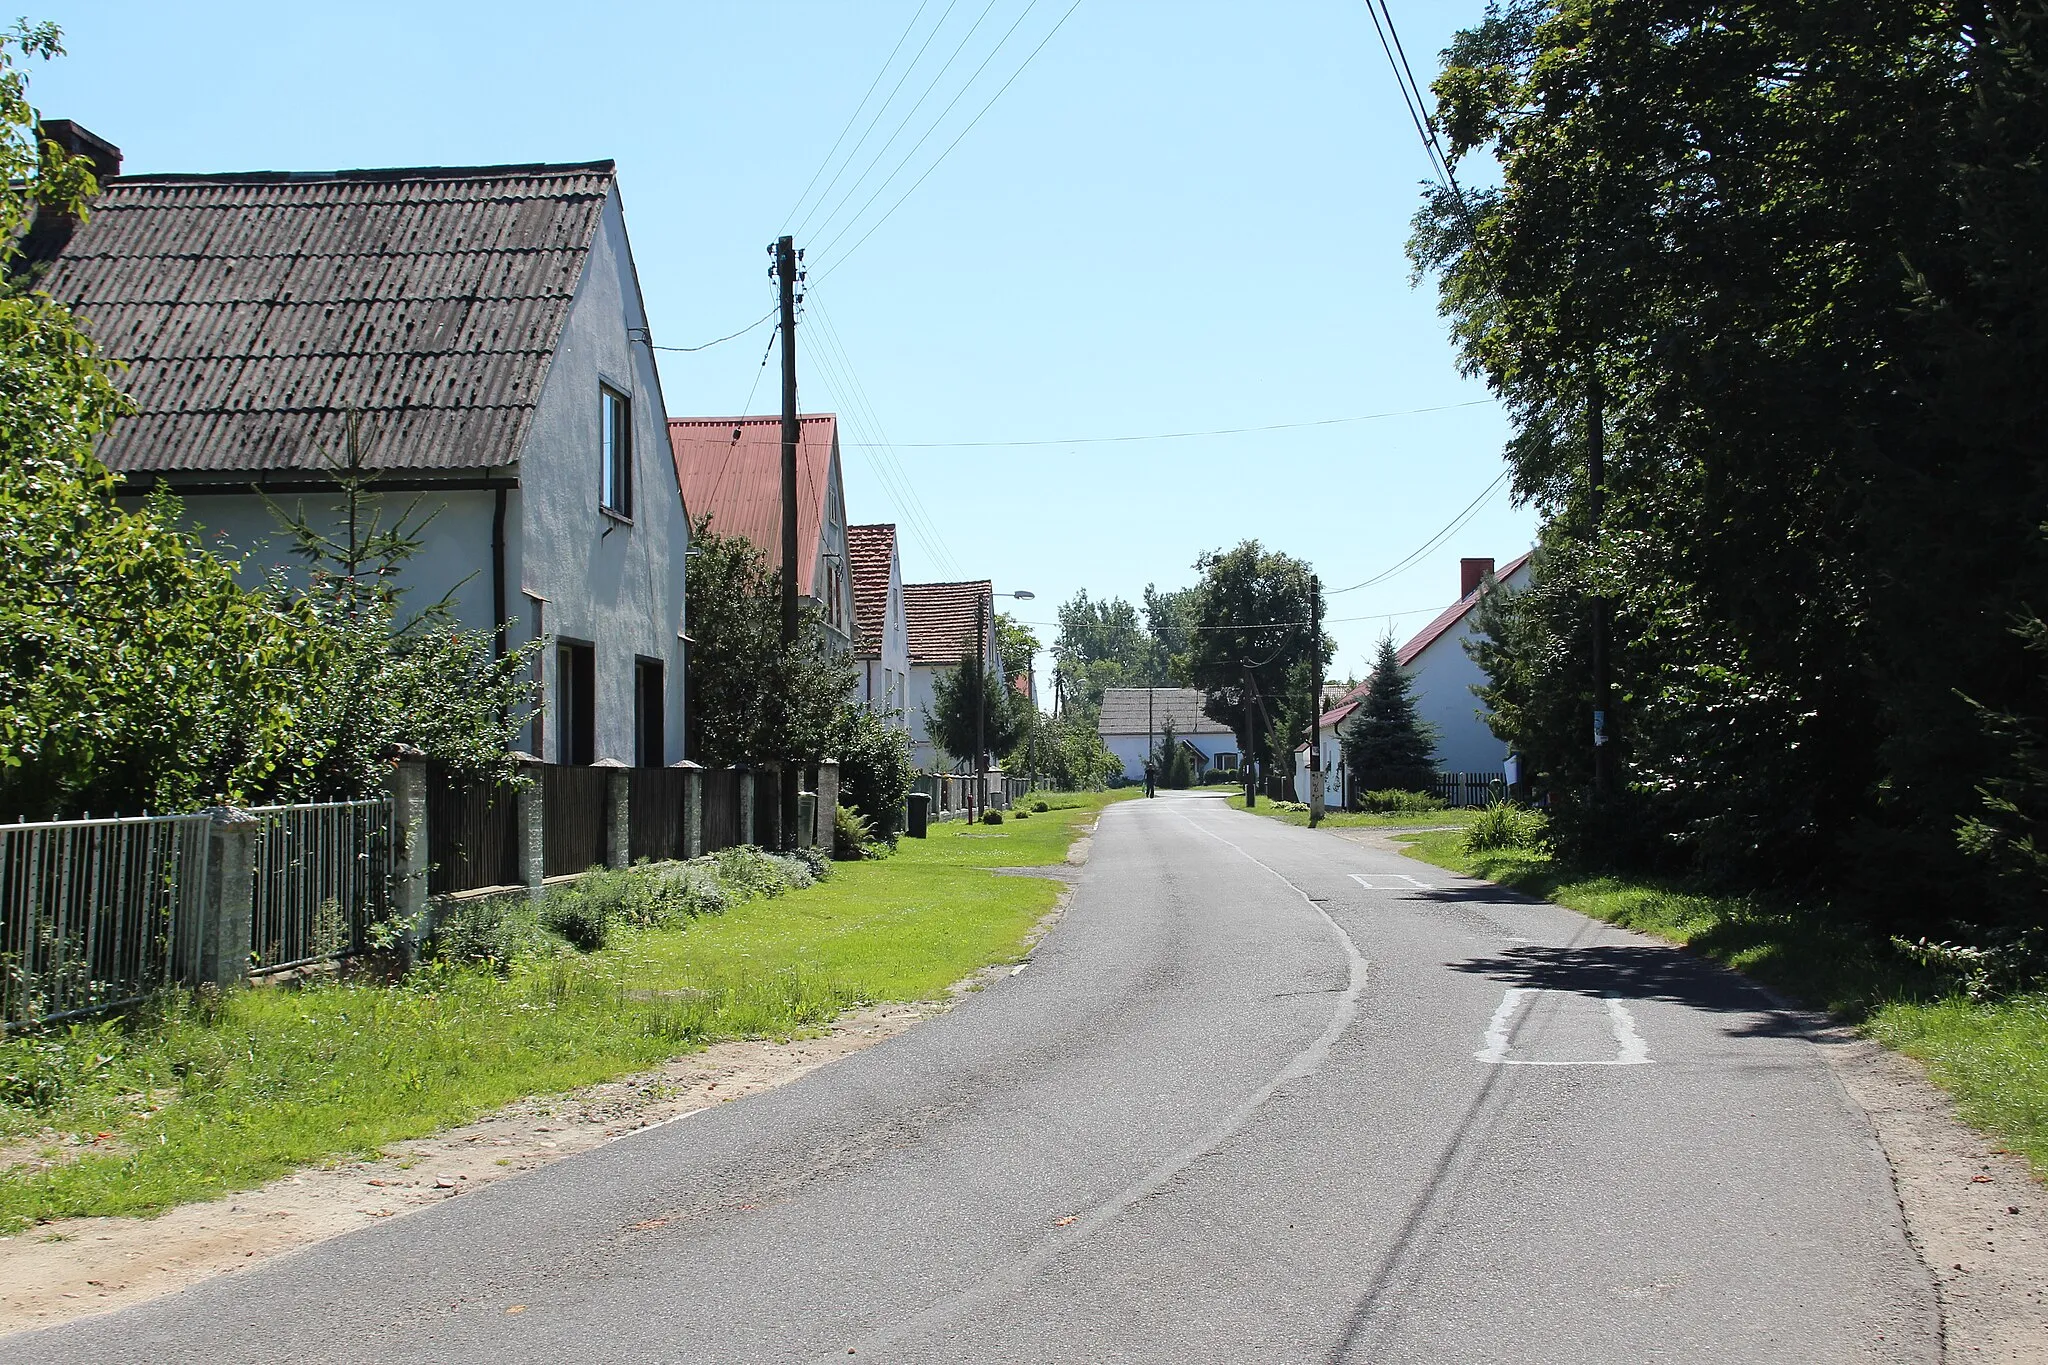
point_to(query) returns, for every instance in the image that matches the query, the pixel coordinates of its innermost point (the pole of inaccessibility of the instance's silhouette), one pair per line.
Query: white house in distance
(730, 470)
(945, 622)
(881, 628)
(1134, 717)
(1443, 675)
(485, 328)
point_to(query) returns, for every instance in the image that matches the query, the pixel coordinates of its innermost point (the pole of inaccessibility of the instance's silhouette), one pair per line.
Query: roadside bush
(2008, 963)
(1021, 814)
(581, 912)
(1040, 806)
(495, 931)
(1503, 826)
(851, 834)
(1395, 801)
(991, 817)
(41, 1069)
(875, 770)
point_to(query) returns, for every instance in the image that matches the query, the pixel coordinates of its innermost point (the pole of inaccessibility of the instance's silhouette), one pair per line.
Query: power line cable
(1188, 435)
(883, 151)
(855, 115)
(1429, 123)
(834, 265)
(729, 336)
(1455, 525)
(910, 155)
(880, 109)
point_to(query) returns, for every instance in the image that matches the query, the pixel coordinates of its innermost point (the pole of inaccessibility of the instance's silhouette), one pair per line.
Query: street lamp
(981, 625)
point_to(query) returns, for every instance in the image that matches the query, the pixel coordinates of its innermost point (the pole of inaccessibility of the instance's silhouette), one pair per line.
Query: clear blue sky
(1180, 217)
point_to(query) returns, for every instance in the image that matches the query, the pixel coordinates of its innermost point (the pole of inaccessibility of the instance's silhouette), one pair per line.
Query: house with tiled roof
(1443, 676)
(1134, 718)
(482, 331)
(881, 627)
(730, 472)
(946, 623)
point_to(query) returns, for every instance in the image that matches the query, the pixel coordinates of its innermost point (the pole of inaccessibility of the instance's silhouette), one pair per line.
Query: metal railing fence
(1469, 789)
(97, 913)
(323, 875)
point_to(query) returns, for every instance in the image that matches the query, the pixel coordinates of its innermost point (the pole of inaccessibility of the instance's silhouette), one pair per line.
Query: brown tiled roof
(1143, 710)
(252, 310)
(1450, 616)
(944, 619)
(730, 469)
(869, 552)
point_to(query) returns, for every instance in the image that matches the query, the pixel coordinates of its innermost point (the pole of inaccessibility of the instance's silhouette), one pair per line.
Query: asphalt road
(1262, 1095)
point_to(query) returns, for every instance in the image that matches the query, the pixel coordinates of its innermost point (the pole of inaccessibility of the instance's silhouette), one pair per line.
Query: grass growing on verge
(206, 1097)
(1348, 819)
(1992, 1056)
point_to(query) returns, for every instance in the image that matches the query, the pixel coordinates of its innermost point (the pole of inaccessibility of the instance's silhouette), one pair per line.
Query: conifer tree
(1388, 746)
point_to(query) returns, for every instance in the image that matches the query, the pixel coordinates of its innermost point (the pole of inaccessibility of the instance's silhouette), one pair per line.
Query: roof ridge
(607, 166)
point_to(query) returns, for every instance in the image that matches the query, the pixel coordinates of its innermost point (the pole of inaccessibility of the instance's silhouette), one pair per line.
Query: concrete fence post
(618, 812)
(406, 783)
(693, 808)
(746, 810)
(530, 824)
(229, 909)
(828, 803)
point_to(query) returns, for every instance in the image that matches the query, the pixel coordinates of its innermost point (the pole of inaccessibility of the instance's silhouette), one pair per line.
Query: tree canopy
(1793, 251)
(1251, 649)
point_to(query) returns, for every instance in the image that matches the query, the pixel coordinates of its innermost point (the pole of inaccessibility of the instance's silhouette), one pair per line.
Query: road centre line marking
(1630, 1048)
(1365, 879)
(1092, 1220)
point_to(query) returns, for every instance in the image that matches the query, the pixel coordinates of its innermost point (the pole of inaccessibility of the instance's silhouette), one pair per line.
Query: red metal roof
(945, 619)
(869, 552)
(1451, 615)
(730, 469)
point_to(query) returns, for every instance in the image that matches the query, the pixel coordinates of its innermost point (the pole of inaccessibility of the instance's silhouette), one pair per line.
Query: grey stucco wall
(613, 584)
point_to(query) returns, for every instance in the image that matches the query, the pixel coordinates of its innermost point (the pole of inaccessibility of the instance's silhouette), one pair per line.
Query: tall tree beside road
(1798, 248)
(1016, 644)
(1249, 646)
(952, 717)
(751, 698)
(134, 672)
(1387, 746)
(1101, 645)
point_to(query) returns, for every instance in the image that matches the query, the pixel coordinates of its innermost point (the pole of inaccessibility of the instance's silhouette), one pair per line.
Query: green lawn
(1991, 1056)
(211, 1096)
(1345, 819)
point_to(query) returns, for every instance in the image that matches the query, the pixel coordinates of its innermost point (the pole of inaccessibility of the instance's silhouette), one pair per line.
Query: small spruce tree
(1388, 746)
(1171, 765)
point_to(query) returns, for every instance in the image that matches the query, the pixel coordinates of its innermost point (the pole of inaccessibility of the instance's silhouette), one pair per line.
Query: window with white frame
(617, 419)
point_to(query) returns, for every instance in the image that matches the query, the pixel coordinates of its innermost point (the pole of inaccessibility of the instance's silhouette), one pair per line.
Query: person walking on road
(1150, 774)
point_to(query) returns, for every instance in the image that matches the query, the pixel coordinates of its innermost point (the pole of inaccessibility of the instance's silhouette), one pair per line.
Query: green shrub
(41, 1069)
(1040, 806)
(991, 816)
(851, 834)
(1021, 814)
(581, 912)
(494, 930)
(1395, 801)
(875, 770)
(1505, 825)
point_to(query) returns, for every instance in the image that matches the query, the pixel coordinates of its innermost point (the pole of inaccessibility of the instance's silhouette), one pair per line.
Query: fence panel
(573, 802)
(1469, 789)
(657, 797)
(472, 832)
(767, 807)
(96, 913)
(323, 875)
(721, 808)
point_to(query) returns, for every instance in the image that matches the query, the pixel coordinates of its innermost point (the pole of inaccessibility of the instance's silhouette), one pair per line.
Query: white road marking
(1630, 1048)
(1366, 880)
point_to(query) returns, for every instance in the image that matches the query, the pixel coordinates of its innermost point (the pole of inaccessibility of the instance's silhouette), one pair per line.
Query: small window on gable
(617, 418)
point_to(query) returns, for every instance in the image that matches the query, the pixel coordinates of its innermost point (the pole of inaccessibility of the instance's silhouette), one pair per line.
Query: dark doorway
(650, 710)
(576, 704)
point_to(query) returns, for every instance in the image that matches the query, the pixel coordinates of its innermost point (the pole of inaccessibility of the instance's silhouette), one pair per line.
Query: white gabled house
(882, 627)
(485, 328)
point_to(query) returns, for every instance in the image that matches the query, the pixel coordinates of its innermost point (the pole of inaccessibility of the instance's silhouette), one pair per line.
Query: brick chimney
(1470, 573)
(80, 141)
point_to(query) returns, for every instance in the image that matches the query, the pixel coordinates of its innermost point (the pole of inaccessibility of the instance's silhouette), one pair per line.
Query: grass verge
(1992, 1056)
(1351, 819)
(205, 1096)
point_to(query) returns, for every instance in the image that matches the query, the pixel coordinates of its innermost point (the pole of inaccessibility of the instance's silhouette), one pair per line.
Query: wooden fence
(657, 823)
(472, 832)
(574, 827)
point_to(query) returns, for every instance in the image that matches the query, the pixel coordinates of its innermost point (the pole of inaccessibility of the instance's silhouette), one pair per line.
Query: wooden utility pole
(1315, 701)
(982, 613)
(1596, 497)
(786, 278)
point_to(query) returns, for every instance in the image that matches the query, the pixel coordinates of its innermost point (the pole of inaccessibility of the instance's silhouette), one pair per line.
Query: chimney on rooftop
(77, 140)
(1471, 572)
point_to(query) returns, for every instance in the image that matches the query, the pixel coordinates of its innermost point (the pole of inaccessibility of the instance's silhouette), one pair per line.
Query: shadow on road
(1631, 971)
